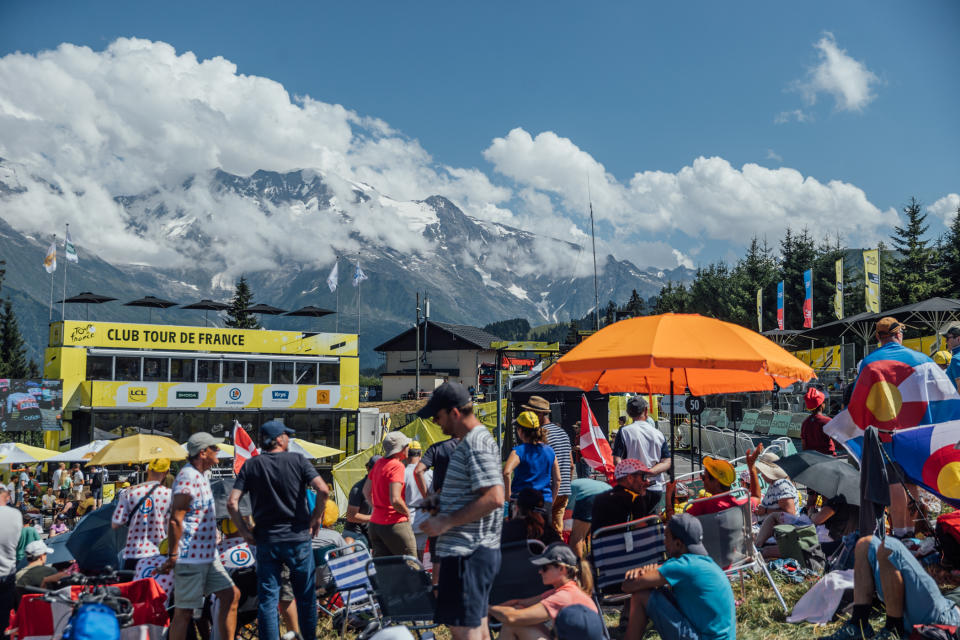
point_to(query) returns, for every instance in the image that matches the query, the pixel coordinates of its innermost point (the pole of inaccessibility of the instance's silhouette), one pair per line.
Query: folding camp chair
(348, 567)
(728, 537)
(518, 577)
(404, 591)
(618, 548)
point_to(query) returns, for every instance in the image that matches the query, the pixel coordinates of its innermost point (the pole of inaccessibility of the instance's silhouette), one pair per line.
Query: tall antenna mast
(593, 238)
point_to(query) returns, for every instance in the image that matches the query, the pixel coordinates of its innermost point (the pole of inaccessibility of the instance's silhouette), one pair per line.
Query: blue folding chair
(618, 548)
(348, 568)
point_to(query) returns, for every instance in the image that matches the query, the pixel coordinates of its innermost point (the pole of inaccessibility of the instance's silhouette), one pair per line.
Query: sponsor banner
(780, 305)
(871, 270)
(838, 295)
(803, 356)
(72, 333)
(760, 310)
(808, 299)
(679, 405)
(194, 395)
(825, 359)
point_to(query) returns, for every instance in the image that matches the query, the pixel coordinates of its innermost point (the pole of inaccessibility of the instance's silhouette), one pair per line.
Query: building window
(282, 372)
(99, 367)
(329, 373)
(258, 371)
(155, 369)
(234, 370)
(128, 368)
(183, 369)
(208, 371)
(306, 373)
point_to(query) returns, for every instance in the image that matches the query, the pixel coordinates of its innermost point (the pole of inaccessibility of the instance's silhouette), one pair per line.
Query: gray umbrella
(207, 305)
(265, 309)
(94, 543)
(86, 298)
(828, 476)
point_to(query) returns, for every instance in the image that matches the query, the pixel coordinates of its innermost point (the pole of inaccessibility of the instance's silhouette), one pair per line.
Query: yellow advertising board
(200, 395)
(72, 333)
(825, 358)
(803, 356)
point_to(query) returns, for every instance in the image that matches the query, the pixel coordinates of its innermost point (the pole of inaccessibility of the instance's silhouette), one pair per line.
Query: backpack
(947, 534)
(801, 544)
(93, 621)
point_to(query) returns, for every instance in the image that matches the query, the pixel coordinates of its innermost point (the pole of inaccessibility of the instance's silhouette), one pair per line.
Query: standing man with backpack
(143, 509)
(97, 475)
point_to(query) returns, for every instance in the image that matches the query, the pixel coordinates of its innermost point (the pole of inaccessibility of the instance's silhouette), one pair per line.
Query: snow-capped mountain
(282, 231)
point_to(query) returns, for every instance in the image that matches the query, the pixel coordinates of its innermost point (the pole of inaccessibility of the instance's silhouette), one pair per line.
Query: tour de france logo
(83, 333)
(240, 556)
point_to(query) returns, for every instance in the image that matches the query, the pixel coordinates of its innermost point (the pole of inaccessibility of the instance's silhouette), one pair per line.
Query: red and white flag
(594, 446)
(243, 448)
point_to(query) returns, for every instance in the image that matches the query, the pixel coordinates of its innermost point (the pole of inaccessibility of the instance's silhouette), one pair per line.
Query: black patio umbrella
(207, 305)
(828, 476)
(94, 543)
(310, 311)
(151, 302)
(60, 552)
(265, 309)
(221, 491)
(86, 298)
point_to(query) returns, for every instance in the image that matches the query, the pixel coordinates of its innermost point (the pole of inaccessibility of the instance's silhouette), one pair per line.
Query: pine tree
(949, 255)
(610, 313)
(572, 335)
(237, 315)
(912, 274)
(635, 305)
(672, 299)
(13, 351)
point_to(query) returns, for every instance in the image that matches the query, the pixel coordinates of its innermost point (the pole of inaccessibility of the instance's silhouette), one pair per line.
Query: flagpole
(51, 276)
(63, 302)
(359, 284)
(336, 266)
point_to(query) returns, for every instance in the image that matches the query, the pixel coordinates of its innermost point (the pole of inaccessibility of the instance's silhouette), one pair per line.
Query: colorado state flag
(910, 400)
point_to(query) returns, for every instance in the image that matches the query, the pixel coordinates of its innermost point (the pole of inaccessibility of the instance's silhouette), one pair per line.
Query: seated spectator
(49, 501)
(718, 477)
(571, 584)
(583, 491)
(532, 463)
(86, 504)
(59, 525)
(910, 595)
(38, 573)
(781, 495)
(529, 521)
(699, 601)
(833, 520)
(625, 502)
(28, 534)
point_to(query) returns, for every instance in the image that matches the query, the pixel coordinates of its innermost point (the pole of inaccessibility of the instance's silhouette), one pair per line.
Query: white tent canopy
(80, 454)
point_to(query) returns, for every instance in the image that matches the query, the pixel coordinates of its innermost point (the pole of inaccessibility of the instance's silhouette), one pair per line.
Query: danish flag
(594, 446)
(243, 448)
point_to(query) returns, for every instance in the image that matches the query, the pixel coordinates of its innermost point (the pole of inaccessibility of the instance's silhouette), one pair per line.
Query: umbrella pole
(672, 473)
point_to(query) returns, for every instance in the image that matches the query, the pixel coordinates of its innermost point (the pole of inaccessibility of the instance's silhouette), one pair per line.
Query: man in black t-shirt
(358, 510)
(437, 457)
(626, 501)
(96, 485)
(277, 482)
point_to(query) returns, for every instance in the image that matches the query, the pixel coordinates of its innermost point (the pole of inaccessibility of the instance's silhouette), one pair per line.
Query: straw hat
(538, 404)
(767, 465)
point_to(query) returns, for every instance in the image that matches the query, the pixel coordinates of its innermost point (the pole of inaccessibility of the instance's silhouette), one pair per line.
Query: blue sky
(639, 87)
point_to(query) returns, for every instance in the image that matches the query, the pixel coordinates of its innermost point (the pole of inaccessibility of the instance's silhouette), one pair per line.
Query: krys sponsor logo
(136, 394)
(188, 395)
(280, 395)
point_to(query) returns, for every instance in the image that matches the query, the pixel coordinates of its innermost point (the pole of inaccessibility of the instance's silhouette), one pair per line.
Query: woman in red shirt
(390, 531)
(812, 437)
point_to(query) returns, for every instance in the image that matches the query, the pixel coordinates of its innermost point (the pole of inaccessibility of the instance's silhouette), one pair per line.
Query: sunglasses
(543, 568)
(213, 447)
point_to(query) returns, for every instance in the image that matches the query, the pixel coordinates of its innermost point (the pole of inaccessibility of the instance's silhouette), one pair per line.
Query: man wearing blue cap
(688, 596)
(277, 482)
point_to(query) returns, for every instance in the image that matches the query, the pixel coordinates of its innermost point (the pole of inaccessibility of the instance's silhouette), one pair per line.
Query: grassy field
(759, 616)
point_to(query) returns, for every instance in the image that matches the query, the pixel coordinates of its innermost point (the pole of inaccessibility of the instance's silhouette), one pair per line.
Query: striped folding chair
(348, 568)
(618, 548)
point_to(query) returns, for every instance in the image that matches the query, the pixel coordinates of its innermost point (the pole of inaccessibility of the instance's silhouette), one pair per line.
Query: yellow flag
(50, 260)
(760, 310)
(871, 271)
(838, 295)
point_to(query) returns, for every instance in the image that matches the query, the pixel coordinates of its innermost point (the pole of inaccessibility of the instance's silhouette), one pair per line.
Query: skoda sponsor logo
(188, 395)
(280, 395)
(136, 394)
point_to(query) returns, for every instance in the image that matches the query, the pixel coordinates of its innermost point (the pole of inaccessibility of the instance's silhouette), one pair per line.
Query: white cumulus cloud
(946, 207)
(847, 80)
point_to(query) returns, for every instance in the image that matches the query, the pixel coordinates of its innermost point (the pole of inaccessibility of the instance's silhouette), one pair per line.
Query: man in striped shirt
(557, 438)
(469, 519)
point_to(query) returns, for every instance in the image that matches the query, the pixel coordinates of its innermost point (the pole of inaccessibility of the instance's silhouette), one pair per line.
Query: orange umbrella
(654, 354)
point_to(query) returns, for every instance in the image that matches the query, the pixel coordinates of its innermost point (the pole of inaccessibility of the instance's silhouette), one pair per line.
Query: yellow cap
(942, 357)
(528, 420)
(414, 445)
(720, 469)
(124, 485)
(330, 513)
(159, 465)
(227, 527)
